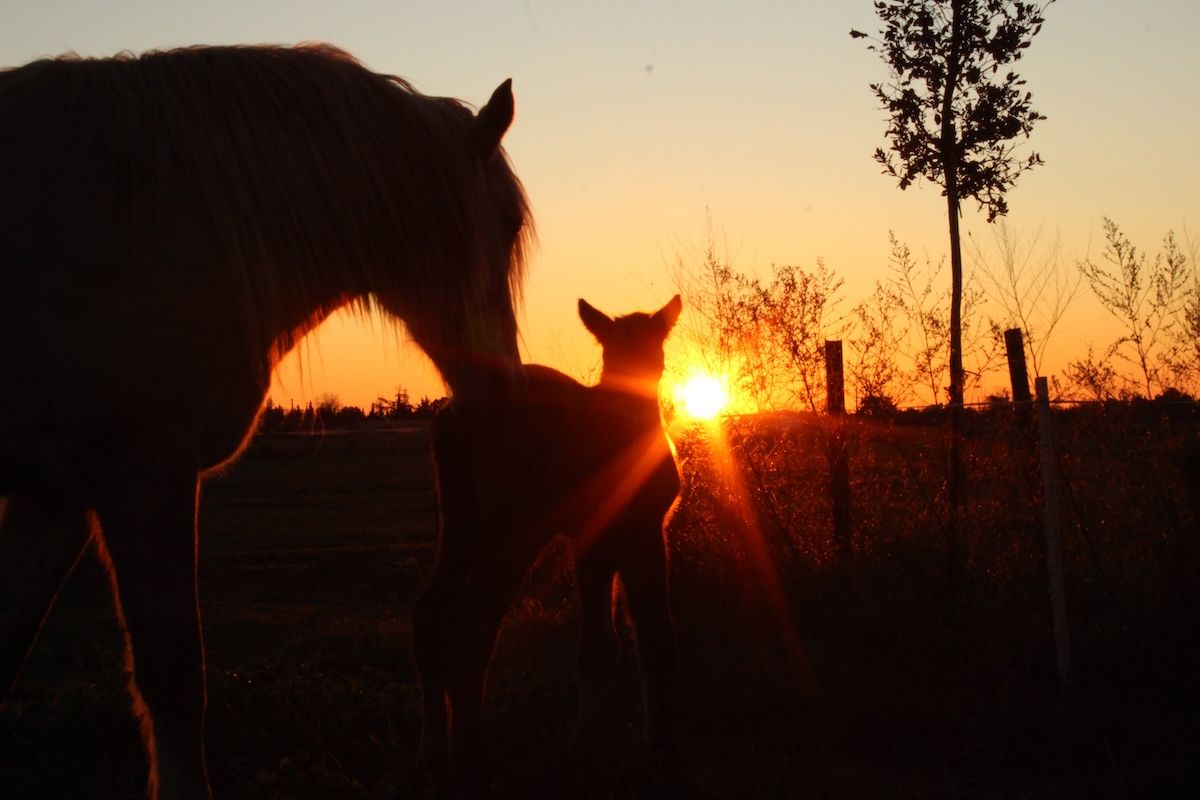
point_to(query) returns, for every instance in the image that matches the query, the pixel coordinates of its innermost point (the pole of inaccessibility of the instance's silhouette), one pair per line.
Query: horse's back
(156, 216)
(110, 155)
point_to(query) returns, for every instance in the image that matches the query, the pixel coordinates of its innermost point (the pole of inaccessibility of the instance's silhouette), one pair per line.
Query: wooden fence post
(1054, 556)
(839, 469)
(1018, 375)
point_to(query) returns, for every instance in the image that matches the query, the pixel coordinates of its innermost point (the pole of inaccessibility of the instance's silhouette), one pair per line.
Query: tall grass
(801, 674)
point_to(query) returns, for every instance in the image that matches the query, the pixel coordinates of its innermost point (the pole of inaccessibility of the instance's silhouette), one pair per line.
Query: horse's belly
(124, 398)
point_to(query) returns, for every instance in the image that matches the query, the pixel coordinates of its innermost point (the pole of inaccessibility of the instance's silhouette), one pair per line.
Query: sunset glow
(622, 154)
(701, 396)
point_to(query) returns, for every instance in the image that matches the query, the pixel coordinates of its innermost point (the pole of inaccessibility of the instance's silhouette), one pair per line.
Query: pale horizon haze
(634, 120)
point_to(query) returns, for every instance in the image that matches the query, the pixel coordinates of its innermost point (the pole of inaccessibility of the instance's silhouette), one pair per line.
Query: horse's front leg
(428, 623)
(149, 534)
(472, 625)
(458, 533)
(41, 538)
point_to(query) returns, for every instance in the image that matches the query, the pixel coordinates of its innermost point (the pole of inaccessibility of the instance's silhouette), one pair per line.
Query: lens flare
(702, 396)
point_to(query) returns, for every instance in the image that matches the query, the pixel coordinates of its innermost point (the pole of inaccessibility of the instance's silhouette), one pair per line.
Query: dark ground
(311, 559)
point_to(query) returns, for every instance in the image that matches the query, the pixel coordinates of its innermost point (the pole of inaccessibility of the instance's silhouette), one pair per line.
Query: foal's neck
(639, 391)
(635, 385)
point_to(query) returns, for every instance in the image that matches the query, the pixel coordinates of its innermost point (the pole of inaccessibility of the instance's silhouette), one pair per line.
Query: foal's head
(633, 345)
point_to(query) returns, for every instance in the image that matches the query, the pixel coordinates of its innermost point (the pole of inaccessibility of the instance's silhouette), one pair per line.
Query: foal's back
(581, 428)
(560, 453)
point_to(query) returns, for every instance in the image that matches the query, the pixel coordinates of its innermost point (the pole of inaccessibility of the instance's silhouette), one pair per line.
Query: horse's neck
(294, 317)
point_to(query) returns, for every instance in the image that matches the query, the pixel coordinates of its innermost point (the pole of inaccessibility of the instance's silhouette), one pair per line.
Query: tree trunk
(956, 555)
(950, 163)
(956, 545)
(956, 291)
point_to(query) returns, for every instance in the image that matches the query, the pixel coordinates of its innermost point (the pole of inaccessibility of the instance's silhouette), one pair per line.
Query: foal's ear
(493, 119)
(669, 314)
(597, 322)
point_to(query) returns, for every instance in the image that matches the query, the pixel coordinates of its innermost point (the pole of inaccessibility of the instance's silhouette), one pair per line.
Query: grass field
(869, 679)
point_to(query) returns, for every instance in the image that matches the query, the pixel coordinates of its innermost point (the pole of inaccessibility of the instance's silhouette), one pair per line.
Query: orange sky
(634, 117)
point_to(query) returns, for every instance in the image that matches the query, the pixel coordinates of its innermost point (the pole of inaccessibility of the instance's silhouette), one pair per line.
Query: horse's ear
(493, 119)
(597, 322)
(669, 314)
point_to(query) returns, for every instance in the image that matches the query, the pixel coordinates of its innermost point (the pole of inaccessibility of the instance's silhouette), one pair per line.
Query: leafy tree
(953, 116)
(1184, 361)
(328, 406)
(715, 330)
(293, 420)
(878, 331)
(272, 417)
(1147, 299)
(395, 407)
(954, 112)
(427, 408)
(767, 337)
(924, 341)
(878, 406)
(1032, 285)
(928, 325)
(401, 405)
(1094, 378)
(796, 313)
(351, 417)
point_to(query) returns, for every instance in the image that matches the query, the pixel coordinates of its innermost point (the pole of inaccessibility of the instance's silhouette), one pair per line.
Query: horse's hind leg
(40, 540)
(149, 537)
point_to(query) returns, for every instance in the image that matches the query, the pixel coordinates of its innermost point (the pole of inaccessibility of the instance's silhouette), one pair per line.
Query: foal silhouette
(589, 462)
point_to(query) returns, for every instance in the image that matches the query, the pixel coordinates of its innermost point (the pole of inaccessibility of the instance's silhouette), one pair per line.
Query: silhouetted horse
(592, 463)
(170, 225)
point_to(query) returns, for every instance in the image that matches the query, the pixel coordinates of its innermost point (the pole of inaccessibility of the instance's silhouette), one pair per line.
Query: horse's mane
(312, 176)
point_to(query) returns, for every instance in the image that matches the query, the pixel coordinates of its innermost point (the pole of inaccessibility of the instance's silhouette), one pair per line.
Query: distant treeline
(328, 413)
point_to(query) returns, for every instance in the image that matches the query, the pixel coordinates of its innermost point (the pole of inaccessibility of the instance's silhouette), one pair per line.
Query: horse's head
(494, 333)
(633, 357)
(462, 315)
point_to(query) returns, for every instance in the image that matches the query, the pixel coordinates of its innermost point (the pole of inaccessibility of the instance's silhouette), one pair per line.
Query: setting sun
(702, 396)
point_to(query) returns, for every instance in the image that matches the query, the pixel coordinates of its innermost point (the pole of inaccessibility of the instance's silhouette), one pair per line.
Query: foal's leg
(149, 536)
(644, 574)
(594, 572)
(40, 541)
